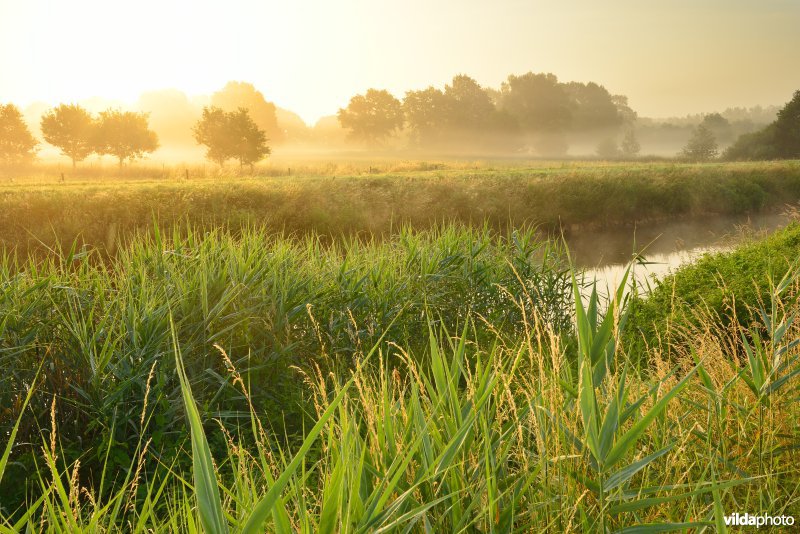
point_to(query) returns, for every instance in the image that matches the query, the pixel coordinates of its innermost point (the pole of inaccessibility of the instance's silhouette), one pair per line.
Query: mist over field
(574, 120)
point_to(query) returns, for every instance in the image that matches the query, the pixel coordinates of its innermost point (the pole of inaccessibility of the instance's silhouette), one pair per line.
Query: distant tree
(426, 115)
(468, 106)
(719, 126)
(630, 146)
(292, 126)
(171, 115)
(229, 135)
(248, 141)
(592, 107)
(372, 117)
(124, 135)
(608, 149)
(538, 102)
(70, 128)
(213, 132)
(624, 111)
(787, 129)
(17, 144)
(237, 95)
(758, 145)
(702, 146)
(780, 139)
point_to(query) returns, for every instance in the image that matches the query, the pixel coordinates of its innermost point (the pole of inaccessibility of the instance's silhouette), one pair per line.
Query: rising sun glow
(311, 56)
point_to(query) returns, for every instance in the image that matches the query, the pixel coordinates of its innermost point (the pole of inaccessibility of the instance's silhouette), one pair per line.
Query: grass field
(322, 354)
(39, 211)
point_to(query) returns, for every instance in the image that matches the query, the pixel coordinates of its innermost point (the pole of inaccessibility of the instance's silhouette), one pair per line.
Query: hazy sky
(670, 57)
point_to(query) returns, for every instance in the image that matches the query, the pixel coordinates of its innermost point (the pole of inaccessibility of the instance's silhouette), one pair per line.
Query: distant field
(377, 197)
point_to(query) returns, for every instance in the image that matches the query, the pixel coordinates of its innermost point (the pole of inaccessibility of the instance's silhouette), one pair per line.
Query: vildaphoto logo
(758, 521)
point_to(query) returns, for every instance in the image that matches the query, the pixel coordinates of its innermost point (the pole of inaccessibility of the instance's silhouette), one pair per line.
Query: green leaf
(264, 506)
(209, 505)
(719, 512)
(588, 405)
(629, 439)
(624, 474)
(13, 435)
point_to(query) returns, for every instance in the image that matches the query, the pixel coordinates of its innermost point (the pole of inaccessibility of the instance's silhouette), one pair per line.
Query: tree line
(126, 135)
(778, 140)
(532, 110)
(528, 113)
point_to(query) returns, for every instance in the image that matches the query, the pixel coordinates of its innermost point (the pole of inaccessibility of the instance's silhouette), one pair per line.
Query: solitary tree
(124, 135)
(231, 134)
(70, 128)
(372, 117)
(16, 142)
(630, 146)
(702, 146)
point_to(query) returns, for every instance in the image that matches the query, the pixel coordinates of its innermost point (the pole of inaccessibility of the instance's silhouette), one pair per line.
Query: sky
(310, 56)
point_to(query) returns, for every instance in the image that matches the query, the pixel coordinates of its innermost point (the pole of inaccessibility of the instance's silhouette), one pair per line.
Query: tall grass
(520, 432)
(277, 304)
(450, 380)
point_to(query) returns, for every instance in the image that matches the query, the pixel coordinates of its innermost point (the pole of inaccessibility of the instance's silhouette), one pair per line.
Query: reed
(448, 380)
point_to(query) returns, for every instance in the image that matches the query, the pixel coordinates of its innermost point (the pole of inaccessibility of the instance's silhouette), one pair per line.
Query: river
(666, 246)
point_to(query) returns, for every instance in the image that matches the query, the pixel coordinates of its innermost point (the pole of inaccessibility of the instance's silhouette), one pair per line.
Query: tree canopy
(425, 113)
(70, 128)
(778, 140)
(537, 101)
(719, 126)
(702, 146)
(372, 117)
(592, 107)
(17, 144)
(124, 135)
(787, 129)
(469, 106)
(532, 109)
(237, 95)
(231, 134)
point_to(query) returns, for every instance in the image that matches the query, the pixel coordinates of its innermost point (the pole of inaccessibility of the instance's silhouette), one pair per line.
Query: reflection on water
(666, 246)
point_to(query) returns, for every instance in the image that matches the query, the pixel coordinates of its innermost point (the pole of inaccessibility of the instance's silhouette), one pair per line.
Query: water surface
(666, 246)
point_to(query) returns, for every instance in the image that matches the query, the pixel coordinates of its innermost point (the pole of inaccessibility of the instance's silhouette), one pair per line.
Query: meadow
(376, 198)
(391, 351)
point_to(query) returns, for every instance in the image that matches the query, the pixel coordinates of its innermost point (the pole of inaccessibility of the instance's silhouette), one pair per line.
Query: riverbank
(568, 198)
